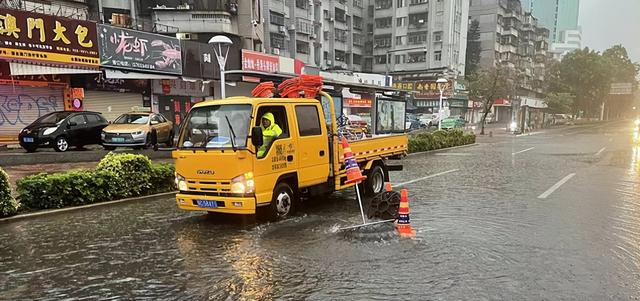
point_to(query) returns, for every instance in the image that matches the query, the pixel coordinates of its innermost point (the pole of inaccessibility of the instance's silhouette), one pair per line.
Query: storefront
(38, 53)
(115, 96)
(173, 98)
(427, 97)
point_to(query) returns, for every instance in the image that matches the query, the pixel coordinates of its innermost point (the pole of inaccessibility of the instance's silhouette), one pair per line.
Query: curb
(443, 149)
(61, 210)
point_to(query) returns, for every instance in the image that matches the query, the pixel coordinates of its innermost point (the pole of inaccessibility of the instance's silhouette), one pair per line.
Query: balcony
(510, 31)
(197, 21)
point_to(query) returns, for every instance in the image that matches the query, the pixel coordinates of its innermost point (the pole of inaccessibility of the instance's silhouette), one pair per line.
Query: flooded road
(490, 226)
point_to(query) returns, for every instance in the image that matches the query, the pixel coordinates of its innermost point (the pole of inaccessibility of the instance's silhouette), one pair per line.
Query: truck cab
(219, 169)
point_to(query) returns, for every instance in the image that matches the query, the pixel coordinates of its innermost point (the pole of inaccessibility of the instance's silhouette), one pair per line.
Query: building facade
(570, 40)
(556, 15)
(512, 37)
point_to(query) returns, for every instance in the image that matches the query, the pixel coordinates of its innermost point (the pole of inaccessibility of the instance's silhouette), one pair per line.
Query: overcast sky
(609, 22)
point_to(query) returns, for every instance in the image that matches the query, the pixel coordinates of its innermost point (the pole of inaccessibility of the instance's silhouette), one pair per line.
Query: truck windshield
(207, 127)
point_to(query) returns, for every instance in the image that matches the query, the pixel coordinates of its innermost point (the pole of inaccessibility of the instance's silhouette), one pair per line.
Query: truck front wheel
(374, 183)
(283, 203)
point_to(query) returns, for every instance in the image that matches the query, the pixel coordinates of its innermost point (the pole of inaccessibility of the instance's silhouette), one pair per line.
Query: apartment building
(417, 36)
(323, 34)
(511, 36)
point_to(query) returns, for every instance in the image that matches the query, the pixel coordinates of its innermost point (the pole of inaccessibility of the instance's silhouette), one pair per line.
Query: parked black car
(62, 130)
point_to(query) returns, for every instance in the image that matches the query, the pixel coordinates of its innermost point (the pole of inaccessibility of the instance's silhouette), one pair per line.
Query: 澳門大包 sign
(139, 51)
(33, 37)
(425, 89)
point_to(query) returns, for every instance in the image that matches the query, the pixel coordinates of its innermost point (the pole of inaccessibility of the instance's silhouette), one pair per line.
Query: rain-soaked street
(551, 216)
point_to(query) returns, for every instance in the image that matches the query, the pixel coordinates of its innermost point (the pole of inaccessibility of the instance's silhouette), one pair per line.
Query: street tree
(472, 59)
(559, 103)
(488, 85)
(585, 74)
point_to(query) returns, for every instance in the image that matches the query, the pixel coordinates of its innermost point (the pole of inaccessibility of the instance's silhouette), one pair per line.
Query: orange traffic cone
(403, 225)
(387, 187)
(354, 175)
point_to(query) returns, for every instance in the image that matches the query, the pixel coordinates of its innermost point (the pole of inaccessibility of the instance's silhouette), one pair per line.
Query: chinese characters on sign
(425, 89)
(256, 61)
(357, 103)
(139, 51)
(29, 36)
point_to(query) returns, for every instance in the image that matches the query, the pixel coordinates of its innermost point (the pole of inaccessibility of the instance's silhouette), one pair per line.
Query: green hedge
(439, 139)
(8, 204)
(117, 176)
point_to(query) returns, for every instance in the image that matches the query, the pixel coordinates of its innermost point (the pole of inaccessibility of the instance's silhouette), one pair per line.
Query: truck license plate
(207, 204)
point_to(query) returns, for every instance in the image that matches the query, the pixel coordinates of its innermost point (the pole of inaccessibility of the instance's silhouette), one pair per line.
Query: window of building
(400, 58)
(437, 55)
(276, 18)
(357, 3)
(357, 23)
(325, 55)
(417, 57)
(383, 4)
(370, 28)
(380, 59)
(304, 26)
(340, 35)
(340, 15)
(382, 41)
(401, 40)
(302, 47)
(401, 22)
(384, 22)
(358, 39)
(308, 121)
(277, 40)
(401, 3)
(417, 2)
(417, 38)
(437, 36)
(357, 59)
(304, 4)
(340, 56)
(418, 20)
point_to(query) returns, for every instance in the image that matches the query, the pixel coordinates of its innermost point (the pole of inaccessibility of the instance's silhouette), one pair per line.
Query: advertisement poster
(390, 116)
(127, 49)
(34, 37)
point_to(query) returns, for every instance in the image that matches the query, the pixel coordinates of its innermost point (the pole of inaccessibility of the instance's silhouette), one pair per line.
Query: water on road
(483, 233)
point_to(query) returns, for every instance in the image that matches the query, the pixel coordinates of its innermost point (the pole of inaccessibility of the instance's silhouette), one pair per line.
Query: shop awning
(120, 74)
(31, 69)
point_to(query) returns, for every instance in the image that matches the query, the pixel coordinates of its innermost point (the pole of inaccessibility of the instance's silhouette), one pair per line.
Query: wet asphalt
(552, 216)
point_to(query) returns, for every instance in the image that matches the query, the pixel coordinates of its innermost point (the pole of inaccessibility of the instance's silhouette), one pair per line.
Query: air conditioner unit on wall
(183, 36)
(276, 51)
(328, 62)
(282, 29)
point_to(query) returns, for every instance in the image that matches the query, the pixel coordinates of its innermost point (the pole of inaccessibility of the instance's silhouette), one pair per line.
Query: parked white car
(428, 120)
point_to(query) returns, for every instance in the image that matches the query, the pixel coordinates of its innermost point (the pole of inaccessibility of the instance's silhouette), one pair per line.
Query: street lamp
(441, 82)
(221, 42)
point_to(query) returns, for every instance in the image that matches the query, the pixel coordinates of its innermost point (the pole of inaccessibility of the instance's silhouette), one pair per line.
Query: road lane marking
(600, 151)
(555, 186)
(522, 151)
(453, 154)
(424, 178)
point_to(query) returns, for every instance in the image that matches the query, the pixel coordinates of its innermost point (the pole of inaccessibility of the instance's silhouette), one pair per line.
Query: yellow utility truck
(220, 168)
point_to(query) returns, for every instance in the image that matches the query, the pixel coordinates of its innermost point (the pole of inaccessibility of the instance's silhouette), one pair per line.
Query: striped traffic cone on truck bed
(354, 175)
(403, 224)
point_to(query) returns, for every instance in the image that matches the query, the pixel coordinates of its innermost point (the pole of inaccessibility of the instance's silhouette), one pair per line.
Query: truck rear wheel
(374, 184)
(283, 203)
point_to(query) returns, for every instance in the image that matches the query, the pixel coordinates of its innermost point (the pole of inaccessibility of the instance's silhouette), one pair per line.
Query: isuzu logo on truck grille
(205, 172)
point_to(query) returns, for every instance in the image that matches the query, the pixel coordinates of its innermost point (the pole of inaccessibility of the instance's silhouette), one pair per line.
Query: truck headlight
(637, 122)
(243, 184)
(181, 183)
(49, 131)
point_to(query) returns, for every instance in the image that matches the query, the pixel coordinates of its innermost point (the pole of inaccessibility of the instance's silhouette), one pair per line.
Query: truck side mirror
(256, 136)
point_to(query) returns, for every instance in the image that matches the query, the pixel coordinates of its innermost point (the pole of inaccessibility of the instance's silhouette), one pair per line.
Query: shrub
(117, 176)
(133, 172)
(439, 139)
(8, 204)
